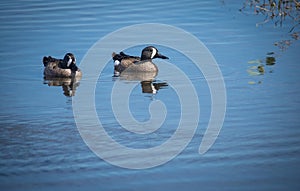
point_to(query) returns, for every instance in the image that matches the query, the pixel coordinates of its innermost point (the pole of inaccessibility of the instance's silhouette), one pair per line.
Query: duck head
(70, 60)
(150, 52)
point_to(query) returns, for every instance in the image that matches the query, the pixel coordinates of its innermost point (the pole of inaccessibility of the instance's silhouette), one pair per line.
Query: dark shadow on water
(69, 85)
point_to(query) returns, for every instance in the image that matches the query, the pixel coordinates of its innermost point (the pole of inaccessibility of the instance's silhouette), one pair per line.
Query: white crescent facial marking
(153, 53)
(69, 62)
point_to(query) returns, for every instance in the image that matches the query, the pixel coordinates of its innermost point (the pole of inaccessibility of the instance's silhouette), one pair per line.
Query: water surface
(258, 147)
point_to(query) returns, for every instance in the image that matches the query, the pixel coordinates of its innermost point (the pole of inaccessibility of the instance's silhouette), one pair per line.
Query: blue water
(258, 147)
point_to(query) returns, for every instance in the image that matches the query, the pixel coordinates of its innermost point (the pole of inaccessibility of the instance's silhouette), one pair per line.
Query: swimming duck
(135, 64)
(64, 68)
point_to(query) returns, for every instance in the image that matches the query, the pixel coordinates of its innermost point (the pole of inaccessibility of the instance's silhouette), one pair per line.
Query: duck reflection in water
(152, 87)
(62, 72)
(69, 85)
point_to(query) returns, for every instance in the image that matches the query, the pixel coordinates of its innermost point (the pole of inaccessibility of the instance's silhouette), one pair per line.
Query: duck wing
(48, 59)
(123, 61)
(122, 56)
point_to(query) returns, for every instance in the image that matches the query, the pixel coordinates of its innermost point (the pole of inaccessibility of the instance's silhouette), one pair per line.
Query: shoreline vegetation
(280, 13)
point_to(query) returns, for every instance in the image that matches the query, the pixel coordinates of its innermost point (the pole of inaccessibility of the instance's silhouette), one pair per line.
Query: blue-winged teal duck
(124, 62)
(63, 68)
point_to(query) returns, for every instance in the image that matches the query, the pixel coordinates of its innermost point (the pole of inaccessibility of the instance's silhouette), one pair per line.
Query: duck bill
(158, 55)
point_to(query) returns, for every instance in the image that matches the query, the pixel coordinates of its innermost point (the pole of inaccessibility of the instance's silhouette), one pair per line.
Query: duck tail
(116, 57)
(46, 60)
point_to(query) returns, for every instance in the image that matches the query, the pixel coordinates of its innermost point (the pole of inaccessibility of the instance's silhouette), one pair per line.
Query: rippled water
(258, 147)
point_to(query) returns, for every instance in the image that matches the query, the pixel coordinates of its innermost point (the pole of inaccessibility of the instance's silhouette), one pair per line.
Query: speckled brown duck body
(61, 68)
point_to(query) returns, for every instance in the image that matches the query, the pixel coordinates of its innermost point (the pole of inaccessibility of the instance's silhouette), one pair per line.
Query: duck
(124, 63)
(61, 68)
